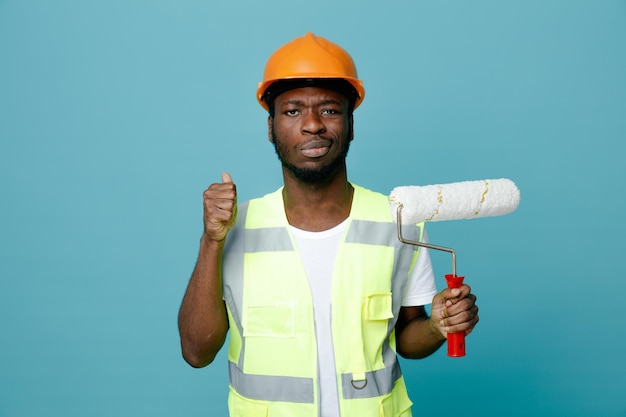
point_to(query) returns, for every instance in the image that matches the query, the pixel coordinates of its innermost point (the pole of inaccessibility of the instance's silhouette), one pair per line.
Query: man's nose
(313, 123)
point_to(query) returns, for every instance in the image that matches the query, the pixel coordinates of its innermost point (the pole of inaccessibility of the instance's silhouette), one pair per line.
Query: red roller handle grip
(456, 341)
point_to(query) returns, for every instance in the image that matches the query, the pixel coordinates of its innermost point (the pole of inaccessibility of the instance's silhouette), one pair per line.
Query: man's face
(311, 131)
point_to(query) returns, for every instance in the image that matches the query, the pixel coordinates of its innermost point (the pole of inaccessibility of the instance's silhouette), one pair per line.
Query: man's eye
(330, 111)
(291, 112)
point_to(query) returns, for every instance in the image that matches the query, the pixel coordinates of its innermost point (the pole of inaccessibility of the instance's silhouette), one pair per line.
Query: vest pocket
(270, 321)
(378, 307)
(239, 406)
(376, 310)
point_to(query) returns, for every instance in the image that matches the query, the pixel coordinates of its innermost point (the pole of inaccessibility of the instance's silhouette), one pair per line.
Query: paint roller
(455, 201)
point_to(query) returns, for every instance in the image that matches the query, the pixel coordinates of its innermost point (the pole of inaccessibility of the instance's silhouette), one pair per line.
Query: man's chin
(313, 176)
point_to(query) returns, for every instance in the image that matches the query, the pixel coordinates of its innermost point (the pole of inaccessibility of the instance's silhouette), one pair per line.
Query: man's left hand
(454, 310)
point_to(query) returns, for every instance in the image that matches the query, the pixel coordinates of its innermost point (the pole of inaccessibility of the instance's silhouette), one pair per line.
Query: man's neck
(317, 207)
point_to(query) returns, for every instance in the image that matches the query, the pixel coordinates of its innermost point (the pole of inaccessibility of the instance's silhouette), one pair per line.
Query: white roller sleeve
(455, 201)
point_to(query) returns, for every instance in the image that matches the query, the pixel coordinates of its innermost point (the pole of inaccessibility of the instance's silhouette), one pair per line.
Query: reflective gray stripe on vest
(232, 262)
(269, 239)
(270, 387)
(294, 389)
(381, 382)
(376, 383)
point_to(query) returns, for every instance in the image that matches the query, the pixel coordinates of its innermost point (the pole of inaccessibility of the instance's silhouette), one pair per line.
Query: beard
(313, 175)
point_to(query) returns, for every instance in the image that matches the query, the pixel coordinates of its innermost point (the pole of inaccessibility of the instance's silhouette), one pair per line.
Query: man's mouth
(316, 148)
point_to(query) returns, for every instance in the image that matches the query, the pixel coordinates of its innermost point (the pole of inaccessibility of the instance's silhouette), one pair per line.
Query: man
(316, 289)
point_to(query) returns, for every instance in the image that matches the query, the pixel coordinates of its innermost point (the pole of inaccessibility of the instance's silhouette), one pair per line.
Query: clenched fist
(454, 310)
(220, 208)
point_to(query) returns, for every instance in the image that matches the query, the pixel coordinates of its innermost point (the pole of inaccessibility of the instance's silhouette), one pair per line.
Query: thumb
(226, 177)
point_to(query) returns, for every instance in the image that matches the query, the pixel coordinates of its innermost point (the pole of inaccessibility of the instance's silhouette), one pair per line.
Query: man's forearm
(418, 338)
(202, 319)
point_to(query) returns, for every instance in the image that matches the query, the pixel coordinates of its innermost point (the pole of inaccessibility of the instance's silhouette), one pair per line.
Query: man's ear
(270, 127)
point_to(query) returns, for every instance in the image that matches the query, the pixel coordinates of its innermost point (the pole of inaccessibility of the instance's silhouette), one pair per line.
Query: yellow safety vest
(272, 353)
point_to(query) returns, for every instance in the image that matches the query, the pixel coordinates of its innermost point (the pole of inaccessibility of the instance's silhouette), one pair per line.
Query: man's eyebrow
(292, 102)
(330, 101)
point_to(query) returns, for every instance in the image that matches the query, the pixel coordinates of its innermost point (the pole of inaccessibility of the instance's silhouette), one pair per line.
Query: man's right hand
(202, 319)
(220, 208)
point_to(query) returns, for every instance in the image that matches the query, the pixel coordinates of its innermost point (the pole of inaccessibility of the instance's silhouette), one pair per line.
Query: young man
(316, 289)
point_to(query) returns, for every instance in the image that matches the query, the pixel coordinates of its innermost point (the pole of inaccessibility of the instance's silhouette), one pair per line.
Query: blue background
(115, 116)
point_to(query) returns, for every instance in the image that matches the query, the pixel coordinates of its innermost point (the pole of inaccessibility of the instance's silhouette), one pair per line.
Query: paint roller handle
(456, 341)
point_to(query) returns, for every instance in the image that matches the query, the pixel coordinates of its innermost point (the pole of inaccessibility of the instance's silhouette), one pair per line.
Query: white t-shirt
(318, 251)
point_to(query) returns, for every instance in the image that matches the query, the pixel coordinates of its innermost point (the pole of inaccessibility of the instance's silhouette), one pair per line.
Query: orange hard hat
(310, 57)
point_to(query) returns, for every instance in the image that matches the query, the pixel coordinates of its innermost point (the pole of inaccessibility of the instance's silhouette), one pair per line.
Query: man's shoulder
(264, 211)
(368, 204)
(367, 191)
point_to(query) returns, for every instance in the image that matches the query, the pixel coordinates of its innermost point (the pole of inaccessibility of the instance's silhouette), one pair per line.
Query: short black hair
(339, 85)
